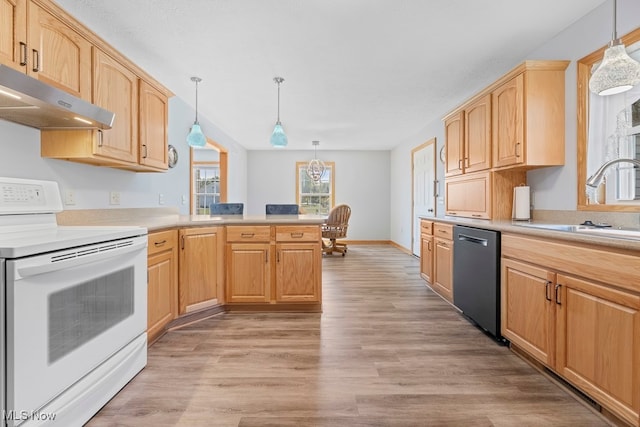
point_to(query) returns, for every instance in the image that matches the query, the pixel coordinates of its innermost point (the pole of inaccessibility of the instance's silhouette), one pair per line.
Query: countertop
(519, 227)
(159, 219)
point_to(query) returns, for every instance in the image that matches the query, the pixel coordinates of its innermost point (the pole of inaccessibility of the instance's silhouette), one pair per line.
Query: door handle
(429, 210)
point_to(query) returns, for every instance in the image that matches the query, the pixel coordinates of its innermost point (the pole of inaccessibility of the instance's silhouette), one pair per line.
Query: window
(315, 197)
(206, 187)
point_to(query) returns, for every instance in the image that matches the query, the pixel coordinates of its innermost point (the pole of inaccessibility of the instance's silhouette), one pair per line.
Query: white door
(424, 183)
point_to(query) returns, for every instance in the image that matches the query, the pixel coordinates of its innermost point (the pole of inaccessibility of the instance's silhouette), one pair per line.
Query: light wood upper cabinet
(153, 120)
(58, 55)
(469, 195)
(508, 123)
(528, 116)
(201, 269)
(454, 145)
(116, 89)
(477, 135)
(13, 34)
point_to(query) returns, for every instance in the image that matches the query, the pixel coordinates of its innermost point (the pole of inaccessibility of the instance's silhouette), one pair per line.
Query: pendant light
(618, 72)
(315, 168)
(278, 137)
(196, 138)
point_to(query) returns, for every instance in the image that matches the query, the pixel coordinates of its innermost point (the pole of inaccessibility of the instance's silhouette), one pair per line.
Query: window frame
(301, 168)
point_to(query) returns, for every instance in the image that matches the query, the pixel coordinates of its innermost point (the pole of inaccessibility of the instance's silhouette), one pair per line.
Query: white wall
(20, 147)
(362, 182)
(554, 187)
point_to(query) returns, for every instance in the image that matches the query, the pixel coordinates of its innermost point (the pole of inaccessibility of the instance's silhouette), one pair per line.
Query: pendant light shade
(315, 168)
(196, 138)
(618, 72)
(278, 137)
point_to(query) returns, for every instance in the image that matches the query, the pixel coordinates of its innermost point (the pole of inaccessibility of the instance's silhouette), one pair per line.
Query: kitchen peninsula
(200, 265)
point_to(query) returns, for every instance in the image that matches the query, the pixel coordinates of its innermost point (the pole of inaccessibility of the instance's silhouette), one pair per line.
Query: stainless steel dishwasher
(476, 276)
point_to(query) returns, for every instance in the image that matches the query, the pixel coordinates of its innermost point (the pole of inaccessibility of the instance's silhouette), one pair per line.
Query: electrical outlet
(161, 199)
(114, 198)
(69, 197)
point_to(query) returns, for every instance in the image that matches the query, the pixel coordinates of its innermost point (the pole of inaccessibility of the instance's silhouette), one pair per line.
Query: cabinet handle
(247, 235)
(144, 146)
(429, 246)
(182, 244)
(266, 256)
(476, 215)
(36, 60)
(518, 149)
(558, 285)
(23, 54)
(460, 164)
(297, 235)
(277, 256)
(161, 243)
(546, 290)
(442, 231)
(100, 138)
(452, 213)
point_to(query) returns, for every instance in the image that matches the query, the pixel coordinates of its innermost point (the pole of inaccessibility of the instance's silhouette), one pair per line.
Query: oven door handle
(34, 270)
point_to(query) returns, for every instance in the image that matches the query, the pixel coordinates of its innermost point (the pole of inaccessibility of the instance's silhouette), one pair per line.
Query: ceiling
(359, 74)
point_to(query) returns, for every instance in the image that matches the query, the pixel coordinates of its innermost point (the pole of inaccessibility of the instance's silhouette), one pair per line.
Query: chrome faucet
(595, 179)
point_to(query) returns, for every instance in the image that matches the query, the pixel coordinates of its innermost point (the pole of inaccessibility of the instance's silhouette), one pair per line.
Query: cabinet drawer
(443, 231)
(426, 226)
(162, 241)
(296, 233)
(248, 233)
(469, 195)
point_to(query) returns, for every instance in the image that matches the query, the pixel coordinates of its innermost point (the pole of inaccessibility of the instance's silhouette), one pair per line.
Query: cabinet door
(248, 272)
(57, 55)
(598, 343)
(528, 309)
(453, 129)
(443, 268)
(116, 89)
(162, 292)
(153, 127)
(469, 195)
(477, 135)
(426, 257)
(298, 274)
(507, 103)
(13, 34)
(199, 267)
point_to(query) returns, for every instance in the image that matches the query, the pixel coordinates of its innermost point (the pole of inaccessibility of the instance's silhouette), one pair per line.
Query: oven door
(69, 311)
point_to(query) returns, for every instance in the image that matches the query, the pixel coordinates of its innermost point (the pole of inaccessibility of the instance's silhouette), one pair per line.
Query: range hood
(30, 102)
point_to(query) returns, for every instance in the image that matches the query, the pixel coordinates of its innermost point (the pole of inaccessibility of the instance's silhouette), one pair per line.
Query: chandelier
(315, 168)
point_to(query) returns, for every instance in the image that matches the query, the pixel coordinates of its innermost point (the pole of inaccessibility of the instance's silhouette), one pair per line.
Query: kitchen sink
(596, 231)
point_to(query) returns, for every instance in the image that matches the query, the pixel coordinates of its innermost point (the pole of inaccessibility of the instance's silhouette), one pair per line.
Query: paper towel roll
(521, 203)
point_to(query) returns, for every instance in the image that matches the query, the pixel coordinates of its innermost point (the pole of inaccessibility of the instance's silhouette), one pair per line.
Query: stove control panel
(19, 196)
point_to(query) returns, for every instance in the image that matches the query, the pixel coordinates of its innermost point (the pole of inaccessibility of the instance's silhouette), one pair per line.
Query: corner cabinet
(576, 309)
(162, 286)
(201, 269)
(273, 264)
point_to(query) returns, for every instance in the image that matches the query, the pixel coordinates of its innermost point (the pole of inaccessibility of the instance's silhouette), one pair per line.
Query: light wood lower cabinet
(426, 250)
(201, 268)
(585, 329)
(443, 261)
(273, 264)
(162, 286)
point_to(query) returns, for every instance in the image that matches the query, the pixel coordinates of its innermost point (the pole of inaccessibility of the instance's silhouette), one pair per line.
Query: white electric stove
(73, 301)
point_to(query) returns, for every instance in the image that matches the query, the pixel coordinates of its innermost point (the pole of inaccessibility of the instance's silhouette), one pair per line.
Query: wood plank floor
(386, 351)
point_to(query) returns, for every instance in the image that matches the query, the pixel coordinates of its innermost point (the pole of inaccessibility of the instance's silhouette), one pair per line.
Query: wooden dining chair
(335, 227)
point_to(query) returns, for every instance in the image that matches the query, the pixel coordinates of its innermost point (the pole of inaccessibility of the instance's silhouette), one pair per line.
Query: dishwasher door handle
(471, 239)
